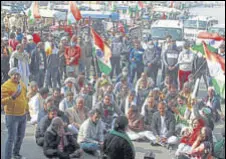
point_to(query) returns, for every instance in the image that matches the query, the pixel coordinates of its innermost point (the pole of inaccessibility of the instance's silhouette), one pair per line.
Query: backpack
(219, 151)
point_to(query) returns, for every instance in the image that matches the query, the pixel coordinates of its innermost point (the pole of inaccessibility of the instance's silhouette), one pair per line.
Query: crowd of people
(55, 87)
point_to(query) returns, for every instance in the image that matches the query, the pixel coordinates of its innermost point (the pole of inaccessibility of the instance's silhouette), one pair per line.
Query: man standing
(72, 56)
(38, 64)
(13, 93)
(20, 60)
(136, 61)
(170, 60)
(52, 67)
(151, 58)
(116, 47)
(185, 61)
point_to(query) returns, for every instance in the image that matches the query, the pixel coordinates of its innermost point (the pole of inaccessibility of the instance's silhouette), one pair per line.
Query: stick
(199, 68)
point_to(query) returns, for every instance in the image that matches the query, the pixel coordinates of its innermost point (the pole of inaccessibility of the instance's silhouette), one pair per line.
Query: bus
(161, 28)
(196, 24)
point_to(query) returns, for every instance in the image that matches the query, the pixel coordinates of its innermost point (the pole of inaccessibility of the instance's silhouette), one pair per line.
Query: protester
(170, 60)
(67, 102)
(163, 126)
(90, 136)
(20, 60)
(13, 97)
(77, 115)
(72, 55)
(48, 103)
(116, 47)
(32, 90)
(116, 143)
(36, 103)
(38, 64)
(52, 67)
(185, 61)
(44, 124)
(57, 142)
(108, 111)
(136, 61)
(57, 97)
(151, 59)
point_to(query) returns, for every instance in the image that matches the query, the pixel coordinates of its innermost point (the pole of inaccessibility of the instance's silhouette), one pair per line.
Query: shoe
(18, 157)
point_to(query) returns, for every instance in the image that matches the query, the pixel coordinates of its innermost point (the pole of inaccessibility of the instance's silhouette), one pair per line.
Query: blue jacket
(137, 54)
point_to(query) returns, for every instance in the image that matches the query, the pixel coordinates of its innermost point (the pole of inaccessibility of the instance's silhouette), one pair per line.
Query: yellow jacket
(17, 107)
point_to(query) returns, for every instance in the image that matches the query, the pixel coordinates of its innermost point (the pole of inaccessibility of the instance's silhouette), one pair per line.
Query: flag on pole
(199, 49)
(33, 12)
(216, 65)
(102, 52)
(73, 9)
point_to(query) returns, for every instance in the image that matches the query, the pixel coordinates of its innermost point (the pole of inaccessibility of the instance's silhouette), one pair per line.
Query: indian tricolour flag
(33, 12)
(216, 65)
(102, 52)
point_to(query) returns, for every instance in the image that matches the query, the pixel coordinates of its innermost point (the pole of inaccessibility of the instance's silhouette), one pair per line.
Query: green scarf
(124, 136)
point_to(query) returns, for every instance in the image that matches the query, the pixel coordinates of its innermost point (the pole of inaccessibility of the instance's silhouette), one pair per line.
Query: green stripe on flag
(199, 48)
(102, 66)
(219, 87)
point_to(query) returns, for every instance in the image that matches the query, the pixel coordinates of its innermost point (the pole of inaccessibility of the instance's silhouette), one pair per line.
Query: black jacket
(35, 60)
(169, 120)
(51, 143)
(117, 148)
(42, 127)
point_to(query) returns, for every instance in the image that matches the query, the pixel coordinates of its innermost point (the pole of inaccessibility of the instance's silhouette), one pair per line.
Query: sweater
(17, 107)
(91, 132)
(72, 53)
(185, 60)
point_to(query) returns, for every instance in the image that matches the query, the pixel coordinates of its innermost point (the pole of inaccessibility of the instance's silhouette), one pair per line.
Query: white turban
(13, 71)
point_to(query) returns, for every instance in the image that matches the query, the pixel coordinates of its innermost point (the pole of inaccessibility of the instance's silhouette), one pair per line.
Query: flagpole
(199, 68)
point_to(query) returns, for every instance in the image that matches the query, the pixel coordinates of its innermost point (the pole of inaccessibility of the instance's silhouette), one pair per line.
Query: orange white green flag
(216, 65)
(103, 53)
(33, 12)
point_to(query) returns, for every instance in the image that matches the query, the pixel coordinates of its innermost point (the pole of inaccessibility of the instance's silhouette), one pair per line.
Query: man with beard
(108, 110)
(151, 58)
(56, 97)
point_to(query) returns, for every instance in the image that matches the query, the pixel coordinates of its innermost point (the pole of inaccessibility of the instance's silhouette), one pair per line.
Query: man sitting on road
(163, 126)
(37, 103)
(108, 111)
(44, 124)
(90, 136)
